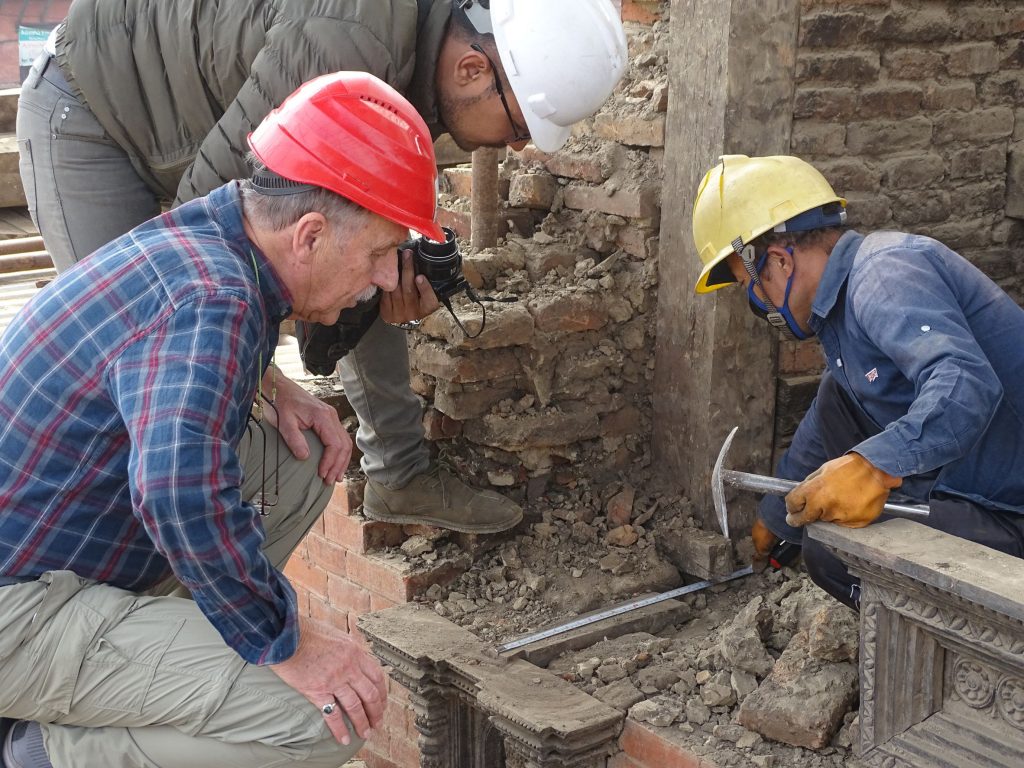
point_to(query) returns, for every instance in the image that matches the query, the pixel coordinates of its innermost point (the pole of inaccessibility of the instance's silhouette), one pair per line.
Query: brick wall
(562, 378)
(14, 13)
(915, 113)
(339, 575)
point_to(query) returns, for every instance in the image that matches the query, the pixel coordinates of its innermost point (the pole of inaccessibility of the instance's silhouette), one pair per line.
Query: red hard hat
(355, 135)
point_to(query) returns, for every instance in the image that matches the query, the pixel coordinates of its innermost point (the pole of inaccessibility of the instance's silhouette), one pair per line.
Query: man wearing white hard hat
(143, 102)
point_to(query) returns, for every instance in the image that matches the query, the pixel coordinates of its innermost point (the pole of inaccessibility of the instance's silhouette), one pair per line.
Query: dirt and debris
(760, 672)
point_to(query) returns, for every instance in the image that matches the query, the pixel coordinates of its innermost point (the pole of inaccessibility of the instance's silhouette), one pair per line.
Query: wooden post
(484, 200)
(731, 79)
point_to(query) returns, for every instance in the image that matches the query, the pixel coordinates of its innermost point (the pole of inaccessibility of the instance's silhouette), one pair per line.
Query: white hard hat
(562, 58)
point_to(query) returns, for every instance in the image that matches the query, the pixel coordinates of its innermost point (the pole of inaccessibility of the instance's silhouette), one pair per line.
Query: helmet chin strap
(780, 318)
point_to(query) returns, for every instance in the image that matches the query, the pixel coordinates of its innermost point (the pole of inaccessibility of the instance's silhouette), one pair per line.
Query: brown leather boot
(439, 498)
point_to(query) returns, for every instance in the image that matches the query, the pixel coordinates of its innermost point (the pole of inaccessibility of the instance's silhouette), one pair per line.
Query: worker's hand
(764, 540)
(413, 299)
(849, 491)
(297, 410)
(331, 667)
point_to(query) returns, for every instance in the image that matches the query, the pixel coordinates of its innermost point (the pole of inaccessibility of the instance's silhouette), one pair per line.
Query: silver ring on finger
(328, 709)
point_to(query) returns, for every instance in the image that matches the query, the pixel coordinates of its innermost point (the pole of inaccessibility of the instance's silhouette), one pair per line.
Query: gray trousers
(83, 191)
(124, 680)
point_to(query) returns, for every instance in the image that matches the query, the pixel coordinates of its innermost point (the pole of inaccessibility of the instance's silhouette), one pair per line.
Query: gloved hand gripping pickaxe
(848, 491)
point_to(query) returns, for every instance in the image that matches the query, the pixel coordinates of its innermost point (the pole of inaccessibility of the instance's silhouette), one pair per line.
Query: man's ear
(783, 259)
(470, 67)
(306, 234)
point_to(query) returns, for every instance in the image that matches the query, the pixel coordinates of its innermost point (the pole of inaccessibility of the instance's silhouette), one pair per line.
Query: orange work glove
(763, 540)
(850, 491)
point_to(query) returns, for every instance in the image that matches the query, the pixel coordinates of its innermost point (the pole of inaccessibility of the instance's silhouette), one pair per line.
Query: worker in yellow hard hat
(924, 388)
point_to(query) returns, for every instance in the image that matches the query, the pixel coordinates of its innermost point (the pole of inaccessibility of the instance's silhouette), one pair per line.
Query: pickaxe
(774, 485)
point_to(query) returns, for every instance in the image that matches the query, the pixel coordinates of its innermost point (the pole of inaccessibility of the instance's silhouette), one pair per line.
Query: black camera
(322, 346)
(440, 263)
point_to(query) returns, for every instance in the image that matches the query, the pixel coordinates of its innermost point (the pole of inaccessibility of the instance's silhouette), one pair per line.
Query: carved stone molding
(942, 647)
(476, 709)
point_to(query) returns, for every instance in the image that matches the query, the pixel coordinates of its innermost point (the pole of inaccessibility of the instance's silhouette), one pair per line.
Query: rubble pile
(757, 672)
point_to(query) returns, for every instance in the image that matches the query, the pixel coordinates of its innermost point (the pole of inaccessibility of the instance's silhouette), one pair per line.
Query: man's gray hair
(279, 208)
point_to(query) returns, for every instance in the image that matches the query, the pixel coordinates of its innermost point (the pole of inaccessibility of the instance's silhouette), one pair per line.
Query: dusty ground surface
(711, 681)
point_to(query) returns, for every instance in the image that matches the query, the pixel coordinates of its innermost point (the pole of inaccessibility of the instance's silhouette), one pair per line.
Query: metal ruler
(619, 610)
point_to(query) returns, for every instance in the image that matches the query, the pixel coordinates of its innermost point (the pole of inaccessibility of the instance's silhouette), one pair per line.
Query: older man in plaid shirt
(129, 456)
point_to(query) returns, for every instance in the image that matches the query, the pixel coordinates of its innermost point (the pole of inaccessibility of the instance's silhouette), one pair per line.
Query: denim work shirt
(931, 350)
(125, 390)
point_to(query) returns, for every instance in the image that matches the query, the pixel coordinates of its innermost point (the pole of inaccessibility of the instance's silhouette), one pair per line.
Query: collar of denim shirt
(840, 261)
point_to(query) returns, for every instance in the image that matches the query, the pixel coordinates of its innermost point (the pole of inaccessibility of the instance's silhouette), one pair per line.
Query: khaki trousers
(119, 679)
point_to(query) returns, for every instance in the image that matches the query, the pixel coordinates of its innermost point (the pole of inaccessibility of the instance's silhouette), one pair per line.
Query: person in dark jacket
(924, 389)
(143, 102)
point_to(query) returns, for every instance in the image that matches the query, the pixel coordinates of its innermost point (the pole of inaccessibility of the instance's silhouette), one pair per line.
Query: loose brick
(508, 325)
(982, 196)
(824, 103)
(325, 553)
(868, 211)
(642, 11)
(439, 426)
(359, 535)
(458, 181)
(484, 365)
(913, 171)
(835, 30)
(844, 67)
(973, 162)
(1005, 88)
(912, 63)
(814, 138)
(980, 23)
(542, 258)
(568, 313)
(848, 174)
(461, 404)
(961, 96)
(594, 168)
(533, 190)
(639, 203)
(320, 610)
(309, 575)
(551, 427)
(919, 25)
(972, 59)
(347, 596)
(800, 357)
(978, 126)
(890, 101)
(639, 241)
(631, 130)
(395, 579)
(651, 750)
(876, 137)
(460, 222)
(923, 206)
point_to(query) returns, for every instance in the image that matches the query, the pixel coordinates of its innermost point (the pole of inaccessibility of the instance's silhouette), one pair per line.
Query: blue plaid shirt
(125, 389)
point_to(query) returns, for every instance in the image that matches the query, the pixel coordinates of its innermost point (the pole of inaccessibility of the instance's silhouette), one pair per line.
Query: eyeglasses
(517, 135)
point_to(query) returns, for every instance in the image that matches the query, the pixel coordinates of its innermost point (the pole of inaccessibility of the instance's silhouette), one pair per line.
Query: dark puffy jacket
(179, 84)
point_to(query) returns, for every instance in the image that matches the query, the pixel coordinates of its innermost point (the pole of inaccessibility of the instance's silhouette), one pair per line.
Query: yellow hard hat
(744, 197)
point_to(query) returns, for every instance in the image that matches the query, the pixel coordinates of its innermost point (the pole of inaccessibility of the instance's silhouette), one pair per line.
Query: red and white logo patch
(871, 375)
